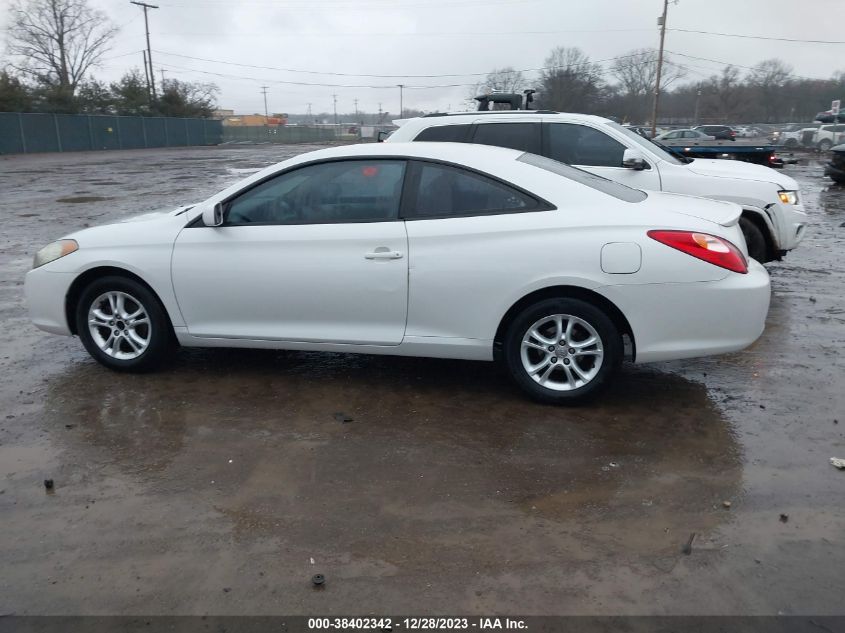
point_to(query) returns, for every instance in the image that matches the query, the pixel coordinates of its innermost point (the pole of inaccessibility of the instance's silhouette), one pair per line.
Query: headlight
(54, 251)
(788, 197)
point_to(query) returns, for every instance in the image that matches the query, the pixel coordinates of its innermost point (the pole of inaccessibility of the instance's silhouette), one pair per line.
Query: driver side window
(323, 193)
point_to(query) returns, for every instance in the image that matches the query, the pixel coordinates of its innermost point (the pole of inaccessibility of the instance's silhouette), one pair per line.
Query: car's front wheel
(123, 325)
(754, 240)
(562, 351)
(825, 145)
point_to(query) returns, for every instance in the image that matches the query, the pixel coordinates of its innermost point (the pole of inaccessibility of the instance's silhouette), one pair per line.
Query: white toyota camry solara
(417, 249)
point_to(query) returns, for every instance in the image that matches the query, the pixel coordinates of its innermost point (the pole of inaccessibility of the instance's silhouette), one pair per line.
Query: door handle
(383, 254)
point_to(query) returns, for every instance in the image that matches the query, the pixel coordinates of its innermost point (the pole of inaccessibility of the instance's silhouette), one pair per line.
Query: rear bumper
(697, 319)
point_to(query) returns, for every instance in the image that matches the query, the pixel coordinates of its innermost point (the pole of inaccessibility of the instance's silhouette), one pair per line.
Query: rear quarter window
(445, 134)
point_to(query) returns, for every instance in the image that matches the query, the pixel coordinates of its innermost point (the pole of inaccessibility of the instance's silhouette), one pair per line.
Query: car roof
(498, 162)
(450, 118)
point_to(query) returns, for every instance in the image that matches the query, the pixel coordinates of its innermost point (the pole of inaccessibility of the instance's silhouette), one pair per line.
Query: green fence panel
(11, 141)
(131, 132)
(105, 133)
(40, 133)
(177, 133)
(156, 132)
(195, 131)
(74, 134)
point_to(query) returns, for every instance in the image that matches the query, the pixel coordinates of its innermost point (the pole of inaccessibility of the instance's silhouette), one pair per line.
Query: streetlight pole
(662, 22)
(334, 97)
(401, 100)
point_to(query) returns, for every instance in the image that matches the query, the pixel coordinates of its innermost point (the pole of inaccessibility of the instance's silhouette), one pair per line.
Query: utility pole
(310, 116)
(266, 113)
(146, 6)
(661, 22)
(401, 100)
(334, 97)
(697, 99)
(162, 71)
(147, 77)
(355, 101)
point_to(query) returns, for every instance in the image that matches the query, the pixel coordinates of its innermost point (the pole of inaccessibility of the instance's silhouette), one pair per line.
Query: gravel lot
(221, 485)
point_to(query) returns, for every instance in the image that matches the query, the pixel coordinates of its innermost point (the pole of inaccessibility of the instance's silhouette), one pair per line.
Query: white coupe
(416, 249)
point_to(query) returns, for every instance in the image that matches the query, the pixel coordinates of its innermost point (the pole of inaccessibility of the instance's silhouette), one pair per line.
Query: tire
(825, 145)
(791, 142)
(524, 350)
(141, 344)
(754, 240)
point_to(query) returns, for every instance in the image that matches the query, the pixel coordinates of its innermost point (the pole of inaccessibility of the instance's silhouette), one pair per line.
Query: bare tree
(637, 72)
(768, 79)
(58, 41)
(504, 79)
(571, 82)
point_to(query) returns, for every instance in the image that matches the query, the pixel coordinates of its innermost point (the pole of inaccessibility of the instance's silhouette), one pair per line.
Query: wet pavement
(222, 484)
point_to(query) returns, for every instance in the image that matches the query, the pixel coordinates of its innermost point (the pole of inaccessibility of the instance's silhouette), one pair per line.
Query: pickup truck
(773, 219)
(733, 150)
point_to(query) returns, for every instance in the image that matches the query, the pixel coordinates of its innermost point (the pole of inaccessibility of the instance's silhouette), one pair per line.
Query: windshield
(651, 146)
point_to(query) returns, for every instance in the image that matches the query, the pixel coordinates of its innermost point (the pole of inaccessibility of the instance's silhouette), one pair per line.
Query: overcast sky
(442, 37)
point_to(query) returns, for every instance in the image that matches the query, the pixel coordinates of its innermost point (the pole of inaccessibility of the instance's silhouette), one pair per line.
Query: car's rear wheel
(754, 240)
(825, 145)
(562, 351)
(123, 325)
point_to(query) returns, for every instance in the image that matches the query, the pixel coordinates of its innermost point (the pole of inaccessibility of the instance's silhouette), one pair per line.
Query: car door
(315, 254)
(469, 238)
(597, 152)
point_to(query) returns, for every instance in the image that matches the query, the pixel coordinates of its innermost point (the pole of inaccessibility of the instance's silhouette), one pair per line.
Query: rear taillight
(710, 248)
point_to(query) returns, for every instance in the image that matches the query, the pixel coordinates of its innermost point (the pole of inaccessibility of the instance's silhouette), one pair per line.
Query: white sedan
(416, 249)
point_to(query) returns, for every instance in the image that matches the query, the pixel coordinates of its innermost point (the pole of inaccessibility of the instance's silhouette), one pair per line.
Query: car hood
(157, 214)
(739, 170)
(716, 211)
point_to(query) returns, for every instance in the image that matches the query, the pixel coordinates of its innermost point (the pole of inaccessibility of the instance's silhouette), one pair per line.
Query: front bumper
(790, 222)
(46, 294)
(696, 319)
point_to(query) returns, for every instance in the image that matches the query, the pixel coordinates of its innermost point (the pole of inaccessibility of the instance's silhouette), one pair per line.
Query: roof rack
(433, 114)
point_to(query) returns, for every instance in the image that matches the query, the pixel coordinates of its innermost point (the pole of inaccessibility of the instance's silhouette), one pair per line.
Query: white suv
(773, 219)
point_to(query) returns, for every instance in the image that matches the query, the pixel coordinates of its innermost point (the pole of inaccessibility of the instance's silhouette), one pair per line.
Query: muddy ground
(221, 485)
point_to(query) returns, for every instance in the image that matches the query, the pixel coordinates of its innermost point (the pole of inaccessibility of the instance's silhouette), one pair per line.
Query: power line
(724, 63)
(374, 76)
(759, 37)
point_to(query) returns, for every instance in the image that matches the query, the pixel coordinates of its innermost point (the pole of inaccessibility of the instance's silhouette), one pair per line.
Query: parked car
(692, 135)
(719, 132)
(836, 167)
(826, 136)
(643, 131)
(416, 249)
(791, 135)
(773, 218)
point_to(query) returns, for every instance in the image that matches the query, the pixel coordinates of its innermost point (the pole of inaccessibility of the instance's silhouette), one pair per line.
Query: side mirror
(213, 216)
(632, 159)
(382, 134)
